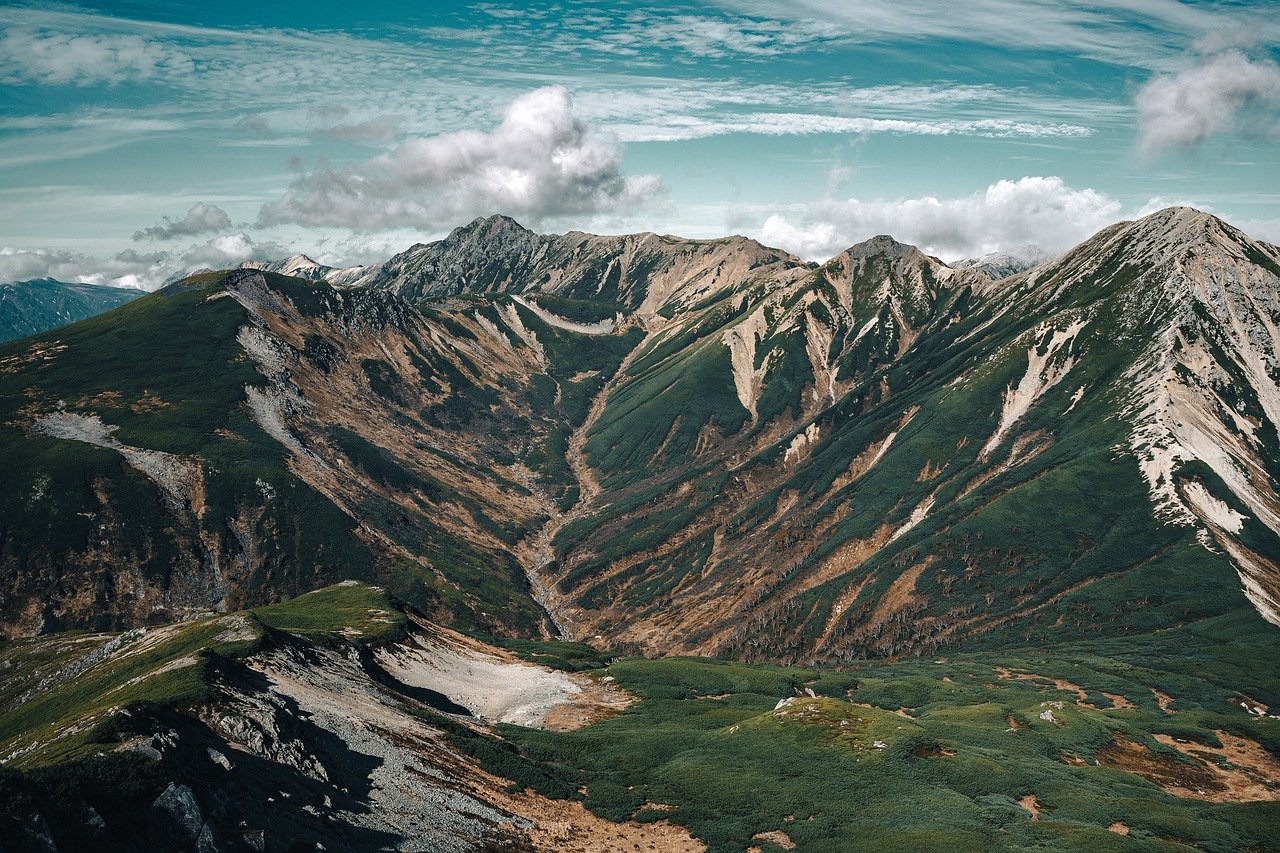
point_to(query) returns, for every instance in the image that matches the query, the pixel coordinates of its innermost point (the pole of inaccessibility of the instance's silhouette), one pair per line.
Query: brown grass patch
(1118, 702)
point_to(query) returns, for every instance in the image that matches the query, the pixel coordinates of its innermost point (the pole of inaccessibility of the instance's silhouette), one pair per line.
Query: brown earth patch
(568, 827)
(929, 471)
(1118, 702)
(1062, 684)
(597, 701)
(900, 592)
(1118, 828)
(1256, 774)
(1031, 804)
(1191, 779)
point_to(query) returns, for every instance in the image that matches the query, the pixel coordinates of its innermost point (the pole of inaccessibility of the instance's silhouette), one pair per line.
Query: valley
(577, 542)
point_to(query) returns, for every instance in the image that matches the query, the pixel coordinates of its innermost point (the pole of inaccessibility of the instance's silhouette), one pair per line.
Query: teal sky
(140, 139)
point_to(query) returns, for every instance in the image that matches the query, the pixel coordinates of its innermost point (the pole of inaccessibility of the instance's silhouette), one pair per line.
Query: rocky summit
(575, 542)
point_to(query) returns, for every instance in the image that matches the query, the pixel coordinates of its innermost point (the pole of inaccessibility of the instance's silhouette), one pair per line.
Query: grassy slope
(168, 371)
(1074, 520)
(705, 739)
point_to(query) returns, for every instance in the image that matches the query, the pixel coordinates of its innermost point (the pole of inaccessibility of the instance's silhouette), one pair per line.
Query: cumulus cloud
(130, 268)
(1220, 92)
(540, 162)
(200, 219)
(37, 56)
(1033, 210)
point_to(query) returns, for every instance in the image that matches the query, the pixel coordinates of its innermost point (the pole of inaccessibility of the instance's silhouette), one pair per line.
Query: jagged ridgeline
(672, 445)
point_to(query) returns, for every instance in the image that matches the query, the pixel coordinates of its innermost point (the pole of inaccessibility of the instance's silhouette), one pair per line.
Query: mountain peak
(488, 226)
(1177, 227)
(881, 244)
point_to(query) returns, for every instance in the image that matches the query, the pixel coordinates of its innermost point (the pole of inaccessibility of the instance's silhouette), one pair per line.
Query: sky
(139, 140)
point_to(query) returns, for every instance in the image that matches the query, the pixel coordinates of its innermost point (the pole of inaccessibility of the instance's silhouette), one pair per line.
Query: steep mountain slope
(998, 265)
(31, 307)
(639, 273)
(310, 435)
(693, 446)
(1061, 486)
(982, 463)
(301, 266)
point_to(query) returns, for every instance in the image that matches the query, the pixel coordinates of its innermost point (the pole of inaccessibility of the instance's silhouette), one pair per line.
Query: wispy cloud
(680, 127)
(1139, 33)
(200, 219)
(540, 162)
(40, 56)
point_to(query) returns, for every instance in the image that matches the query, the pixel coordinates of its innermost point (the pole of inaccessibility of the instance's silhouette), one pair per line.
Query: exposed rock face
(998, 265)
(301, 744)
(177, 821)
(301, 266)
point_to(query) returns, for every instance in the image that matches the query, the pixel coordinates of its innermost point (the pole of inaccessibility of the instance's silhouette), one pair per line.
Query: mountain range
(659, 455)
(30, 307)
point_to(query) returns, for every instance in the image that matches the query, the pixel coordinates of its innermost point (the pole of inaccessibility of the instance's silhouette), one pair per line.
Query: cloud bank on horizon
(135, 148)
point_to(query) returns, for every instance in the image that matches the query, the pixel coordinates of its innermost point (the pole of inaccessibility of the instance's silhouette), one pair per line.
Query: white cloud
(38, 56)
(1044, 211)
(200, 219)
(131, 268)
(1219, 93)
(539, 163)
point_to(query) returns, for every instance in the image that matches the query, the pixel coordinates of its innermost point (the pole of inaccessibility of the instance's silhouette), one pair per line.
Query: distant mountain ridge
(30, 307)
(998, 265)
